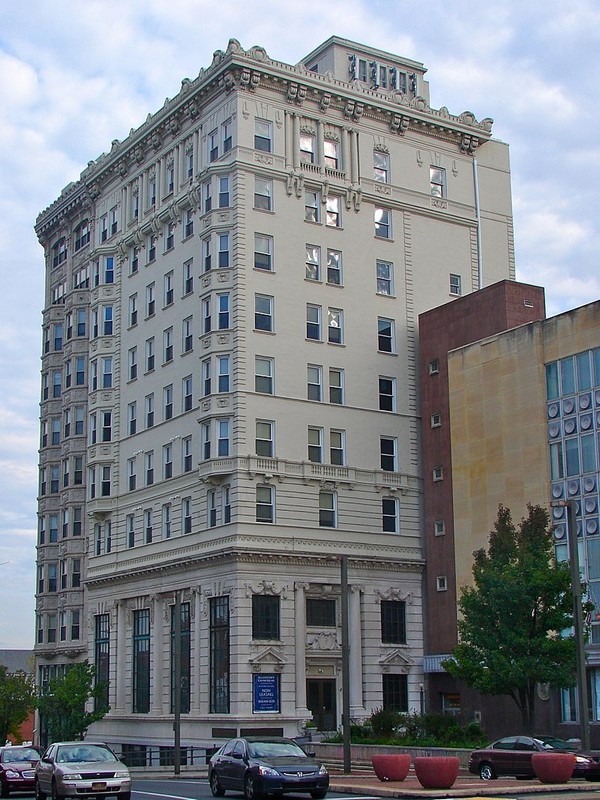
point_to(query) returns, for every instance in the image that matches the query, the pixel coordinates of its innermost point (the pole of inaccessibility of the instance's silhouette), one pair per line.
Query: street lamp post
(584, 719)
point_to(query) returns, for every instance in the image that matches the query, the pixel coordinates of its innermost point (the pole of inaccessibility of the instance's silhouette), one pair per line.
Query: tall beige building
(229, 399)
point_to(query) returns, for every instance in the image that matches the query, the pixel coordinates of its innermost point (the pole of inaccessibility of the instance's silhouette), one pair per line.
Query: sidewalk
(466, 785)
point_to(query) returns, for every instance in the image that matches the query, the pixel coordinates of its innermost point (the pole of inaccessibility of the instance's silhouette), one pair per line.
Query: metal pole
(345, 667)
(177, 685)
(584, 718)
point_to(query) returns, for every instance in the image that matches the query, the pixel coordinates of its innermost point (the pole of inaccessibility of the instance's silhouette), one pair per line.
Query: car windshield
(74, 754)
(552, 743)
(271, 749)
(19, 755)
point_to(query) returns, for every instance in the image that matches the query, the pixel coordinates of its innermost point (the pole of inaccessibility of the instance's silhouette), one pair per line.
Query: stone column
(354, 624)
(300, 648)
(121, 670)
(156, 657)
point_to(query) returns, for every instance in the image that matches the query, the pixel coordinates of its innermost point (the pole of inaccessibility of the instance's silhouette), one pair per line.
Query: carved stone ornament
(398, 660)
(324, 641)
(399, 124)
(395, 593)
(265, 587)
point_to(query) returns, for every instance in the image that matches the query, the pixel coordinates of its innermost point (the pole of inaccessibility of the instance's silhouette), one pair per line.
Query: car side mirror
(47, 760)
(310, 753)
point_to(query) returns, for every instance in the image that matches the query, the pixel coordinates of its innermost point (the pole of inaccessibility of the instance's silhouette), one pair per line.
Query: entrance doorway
(321, 694)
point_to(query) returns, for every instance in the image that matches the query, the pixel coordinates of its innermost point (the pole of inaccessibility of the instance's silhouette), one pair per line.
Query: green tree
(17, 700)
(511, 630)
(63, 705)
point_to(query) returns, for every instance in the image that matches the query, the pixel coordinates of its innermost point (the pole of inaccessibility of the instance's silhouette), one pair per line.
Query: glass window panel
(588, 453)
(567, 374)
(593, 558)
(572, 456)
(552, 380)
(584, 372)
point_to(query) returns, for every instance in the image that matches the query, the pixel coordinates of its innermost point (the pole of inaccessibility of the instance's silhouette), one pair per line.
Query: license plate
(98, 786)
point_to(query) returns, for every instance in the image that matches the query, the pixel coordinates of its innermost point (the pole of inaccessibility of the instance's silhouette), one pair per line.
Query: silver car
(75, 769)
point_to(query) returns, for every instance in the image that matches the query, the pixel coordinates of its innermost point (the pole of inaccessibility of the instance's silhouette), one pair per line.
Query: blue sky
(74, 76)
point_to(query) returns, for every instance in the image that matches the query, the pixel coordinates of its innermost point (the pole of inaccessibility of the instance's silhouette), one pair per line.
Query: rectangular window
(320, 612)
(263, 313)
(223, 310)
(385, 335)
(333, 211)
(188, 223)
(223, 434)
(263, 135)
(263, 194)
(263, 252)
(148, 526)
(335, 326)
(101, 661)
(385, 278)
(219, 655)
(336, 386)
(167, 345)
(186, 393)
(388, 454)
(389, 514)
(334, 267)
(131, 474)
(313, 322)
(186, 515)
(149, 409)
(331, 154)
(395, 692)
(132, 363)
(206, 255)
(455, 285)
(150, 300)
(150, 354)
(314, 382)
(213, 145)
(187, 335)
(307, 148)
(381, 166)
(265, 616)
(383, 223)
(265, 504)
(206, 377)
(224, 196)
(141, 661)
(437, 182)
(264, 442)
(166, 521)
(211, 506)
(337, 447)
(168, 402)
(315, 445)
(312, 210)
(313, 263)
(223, 254)
(327, 510)
(186, 454)
(167, 461)
(168, 292)
(188, 277)
(226, 505)
(130, 530)
(264, 368)
(393, 621)
(387, 394)
(185, 672)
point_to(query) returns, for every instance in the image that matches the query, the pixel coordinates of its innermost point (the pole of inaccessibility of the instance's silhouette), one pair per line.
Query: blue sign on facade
(265, 693)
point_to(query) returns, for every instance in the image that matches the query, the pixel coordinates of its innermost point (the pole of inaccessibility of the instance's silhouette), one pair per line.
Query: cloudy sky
(76, 75)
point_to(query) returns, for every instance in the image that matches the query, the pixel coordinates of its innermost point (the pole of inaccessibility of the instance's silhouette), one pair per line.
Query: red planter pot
(436, 772)
(553, 767)
(393, 767)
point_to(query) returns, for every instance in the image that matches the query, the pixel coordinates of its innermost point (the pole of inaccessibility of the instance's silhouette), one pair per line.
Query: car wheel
(38, 792)
(318, 794)
(4, 790)
(250, 791)
(487, 772)
(55, 794)
(122, 796)
(215, 785)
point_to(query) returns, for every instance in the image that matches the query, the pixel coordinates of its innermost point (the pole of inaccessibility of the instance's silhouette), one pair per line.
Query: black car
(258, 766)
(17, 768)
(512, 756)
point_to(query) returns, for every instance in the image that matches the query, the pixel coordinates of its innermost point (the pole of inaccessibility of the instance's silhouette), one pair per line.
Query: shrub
(384, 722)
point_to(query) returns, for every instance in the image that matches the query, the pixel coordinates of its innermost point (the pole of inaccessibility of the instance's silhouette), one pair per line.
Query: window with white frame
(223, 310)
(132, 418)
(150, 247)
(388, 453)
(335, 326)
(206, 377)
(389, 514)
(383, 223)
(151, 190)
(381, 166)
(327, 509)
(131, 474)
(149, 468)
(205, 440)
(223, 373)
(455, 285)
(263, 252)
(312, 210)
(132, 363)
(168, 402)
(265, 503)
(133, 311)
(337, 447)
(166, 521)
(167, 345)
(148, 526)
(150, 355)
(187, 334)
(307, 148)
(263, 313)
(186, 454)
(313, 322)
(207, 196)
(437, 181)
(150, 300)
(264, 368)
(385, 278)
(436, 420)
(226, 505)
(386, 335)
(224, 255)
(186, 515)
(438, 474)
(149, 410)
(211, 507)
(188, 223)
(264, 440)
(336, 386)
(224, 193)
(331, 154)
(441, 584)
(168, 291)
(334, 267)
(315, 444)
(206, 254)
(213, 145)
(223, 437)
(227, 135)
(434, 366)
(439, 527)
(167, 461)
(387, 393)
(130, 530)
(312, 270)
(314, 382)
(263, 194)
(263, 135)
(169, 236)
(186, 393)
(188, 277)
(333, 211)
